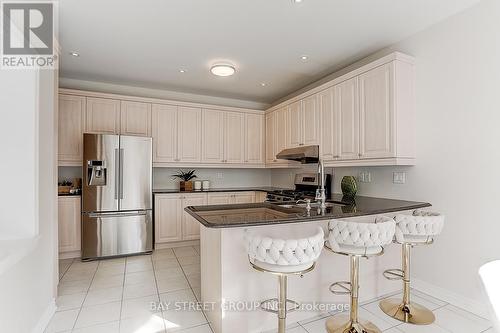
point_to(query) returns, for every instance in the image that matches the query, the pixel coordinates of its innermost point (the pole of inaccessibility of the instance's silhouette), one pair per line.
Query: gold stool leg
(404, 310)
(351, 323)
(283, 281)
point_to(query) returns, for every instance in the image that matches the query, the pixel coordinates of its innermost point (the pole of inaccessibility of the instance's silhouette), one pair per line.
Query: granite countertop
(227, 189)
(240, 215)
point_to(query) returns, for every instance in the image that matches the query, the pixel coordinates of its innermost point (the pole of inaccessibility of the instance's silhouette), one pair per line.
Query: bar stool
(283, 257)
(417, 229)
(356, 240)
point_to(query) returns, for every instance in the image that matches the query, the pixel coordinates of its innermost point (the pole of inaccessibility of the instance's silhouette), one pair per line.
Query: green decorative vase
(349, 186)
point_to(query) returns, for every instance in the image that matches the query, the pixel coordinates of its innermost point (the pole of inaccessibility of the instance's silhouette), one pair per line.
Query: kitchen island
(231, 288)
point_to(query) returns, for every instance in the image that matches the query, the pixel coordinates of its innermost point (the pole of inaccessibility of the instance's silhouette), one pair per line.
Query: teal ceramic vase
(349, 186)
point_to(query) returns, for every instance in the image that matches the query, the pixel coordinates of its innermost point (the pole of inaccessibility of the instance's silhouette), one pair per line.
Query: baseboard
(70, 255)
(44, 320)
(159, 246)
(453, 298)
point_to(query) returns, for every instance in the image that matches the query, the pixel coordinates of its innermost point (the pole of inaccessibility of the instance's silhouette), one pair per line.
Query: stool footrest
(271, 305)
(340, 288)
(394, 274)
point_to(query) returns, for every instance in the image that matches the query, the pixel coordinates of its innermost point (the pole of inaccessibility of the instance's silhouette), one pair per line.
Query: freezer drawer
(114, 234)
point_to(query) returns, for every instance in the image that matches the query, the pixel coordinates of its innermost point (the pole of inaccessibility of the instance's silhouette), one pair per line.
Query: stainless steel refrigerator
(116, 196)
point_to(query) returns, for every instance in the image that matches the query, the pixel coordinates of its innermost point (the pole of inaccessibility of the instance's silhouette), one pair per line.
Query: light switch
(365, 177)
(399, 177)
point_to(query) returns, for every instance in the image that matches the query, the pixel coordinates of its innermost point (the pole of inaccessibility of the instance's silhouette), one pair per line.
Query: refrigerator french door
(116, 196)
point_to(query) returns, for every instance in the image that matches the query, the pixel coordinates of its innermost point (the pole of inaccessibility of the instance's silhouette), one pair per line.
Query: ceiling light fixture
(304, 58)
(296, 1)
(263, 84)
(222, 70)
(182, 71)
(74, 54)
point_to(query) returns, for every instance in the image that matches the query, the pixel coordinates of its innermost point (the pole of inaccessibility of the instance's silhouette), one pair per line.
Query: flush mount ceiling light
(222, 70)
(74, 54)
(297, 1)
(182, 71)
(304, 58)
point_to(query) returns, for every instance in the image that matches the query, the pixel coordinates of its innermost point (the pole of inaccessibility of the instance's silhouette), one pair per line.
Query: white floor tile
(166, 263)
(139, 266)
(381, 322)
(197, 248)
(172, 284)
(139, 290)
(375, 309)
(429, 298)
(62, 321)
(189, 260)
(290, 327)
(112, 262)
(68, 302)
(433, 328)
(113, 327)
(317, 326)
(151, 323)
(139, 306)
(169, 272)
(118, 269)
(459, 321)
(194, 280)
(140, 278)
(163, 253)
(103, 296)
(178, 320)
(98, 314)
(197, 293)
(198, 329)
(77, 276)
(185, 251)
(177, 299)
(393, 330)
(73, 287)
(105, 282)
(191, 269)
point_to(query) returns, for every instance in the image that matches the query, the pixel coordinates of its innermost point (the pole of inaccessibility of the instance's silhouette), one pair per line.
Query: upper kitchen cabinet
(71, 120)
(276, 136)
(176, 134)
(254, 138)
(362, 118)
(234, 137)
(135, 118)
(102, 116)
(213, 136)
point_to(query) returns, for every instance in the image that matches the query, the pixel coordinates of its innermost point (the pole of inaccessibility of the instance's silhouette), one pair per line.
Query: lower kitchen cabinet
(69, 223)
(173, 224)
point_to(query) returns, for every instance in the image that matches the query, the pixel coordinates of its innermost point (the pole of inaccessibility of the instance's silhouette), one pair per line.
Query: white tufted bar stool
(356, 239)
(283, 257)
(420, 228)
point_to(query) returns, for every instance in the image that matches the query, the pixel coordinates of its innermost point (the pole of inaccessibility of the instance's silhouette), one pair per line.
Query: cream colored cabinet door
(222, 198)
(260, 196)
(213, 136)
(377, 112)
(102, 116)
(71, 120)
(311, 117)
(164, 133)
(281, 131)
(329, 148)
(295, 125)
(190, 226)
(69, 224)
(347, 112)
(135, 118)
(254, 138)
(234, 137)
(168, 218)
(270, 137)
(243, 197)
(189, 134)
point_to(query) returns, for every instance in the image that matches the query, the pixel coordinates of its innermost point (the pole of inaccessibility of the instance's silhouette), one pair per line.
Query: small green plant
(185, 175)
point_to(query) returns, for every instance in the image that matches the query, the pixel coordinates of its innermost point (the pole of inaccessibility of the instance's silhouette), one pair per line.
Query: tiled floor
(115, 295)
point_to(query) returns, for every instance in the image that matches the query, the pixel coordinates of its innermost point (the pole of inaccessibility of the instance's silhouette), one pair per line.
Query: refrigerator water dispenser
(96, 173)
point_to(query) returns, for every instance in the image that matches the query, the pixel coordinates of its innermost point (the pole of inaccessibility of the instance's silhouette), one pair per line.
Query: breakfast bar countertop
(256, 214)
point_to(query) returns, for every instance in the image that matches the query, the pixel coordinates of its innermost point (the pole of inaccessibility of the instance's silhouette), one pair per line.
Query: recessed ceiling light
(182, 71)
(74, 54)
(222, 70)
(296, 1)
(263, 84)
(304, 58)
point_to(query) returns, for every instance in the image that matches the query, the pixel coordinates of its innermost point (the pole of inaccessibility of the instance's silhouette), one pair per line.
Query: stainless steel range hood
(302, 154)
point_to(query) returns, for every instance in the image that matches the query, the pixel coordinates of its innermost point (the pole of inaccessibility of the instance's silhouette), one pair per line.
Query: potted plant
(185, 176)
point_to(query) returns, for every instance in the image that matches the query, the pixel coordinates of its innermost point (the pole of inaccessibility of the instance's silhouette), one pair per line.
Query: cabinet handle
(360, 154)
(275, 160)
(336, 156)
(301, 144)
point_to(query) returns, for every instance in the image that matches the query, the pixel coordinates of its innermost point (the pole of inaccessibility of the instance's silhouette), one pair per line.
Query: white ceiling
(145, 42)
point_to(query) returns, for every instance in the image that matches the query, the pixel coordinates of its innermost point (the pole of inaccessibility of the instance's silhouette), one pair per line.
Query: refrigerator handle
(117, 173)
(122, 151)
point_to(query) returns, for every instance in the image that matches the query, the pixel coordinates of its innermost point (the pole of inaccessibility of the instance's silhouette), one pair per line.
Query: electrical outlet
(365, 177)
(399, 177)
(220, 175)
